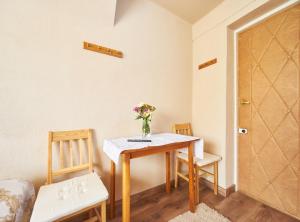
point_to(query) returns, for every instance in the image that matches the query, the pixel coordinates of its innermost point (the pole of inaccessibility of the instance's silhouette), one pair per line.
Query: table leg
(176, 170)
(216, 178)
(112, 189)
(168, 176)
(103, 211)
(191, 178)
(197, 184)
(125, 188)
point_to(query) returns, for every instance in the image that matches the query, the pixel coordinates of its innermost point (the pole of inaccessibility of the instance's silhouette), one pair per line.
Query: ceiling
(189, 10)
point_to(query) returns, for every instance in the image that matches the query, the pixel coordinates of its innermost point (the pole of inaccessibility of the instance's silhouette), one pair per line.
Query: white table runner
(114, 147)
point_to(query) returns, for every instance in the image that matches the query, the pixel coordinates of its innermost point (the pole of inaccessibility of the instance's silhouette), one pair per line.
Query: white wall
(48, 82)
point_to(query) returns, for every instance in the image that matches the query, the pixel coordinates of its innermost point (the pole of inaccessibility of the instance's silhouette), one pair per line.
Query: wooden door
(268, 156)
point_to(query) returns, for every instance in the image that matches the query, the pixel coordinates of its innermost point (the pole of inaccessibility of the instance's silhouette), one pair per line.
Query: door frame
(235, 77)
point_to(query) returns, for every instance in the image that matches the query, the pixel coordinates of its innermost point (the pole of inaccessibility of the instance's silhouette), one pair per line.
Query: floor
(157, 206)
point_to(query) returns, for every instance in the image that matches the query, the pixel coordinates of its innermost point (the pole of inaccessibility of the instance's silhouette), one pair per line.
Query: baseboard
(222, 191)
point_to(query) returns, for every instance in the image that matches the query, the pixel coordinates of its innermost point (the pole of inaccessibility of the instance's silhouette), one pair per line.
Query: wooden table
(127, 155)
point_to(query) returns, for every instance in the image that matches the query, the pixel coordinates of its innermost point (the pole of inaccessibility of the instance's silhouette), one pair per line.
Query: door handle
(244, 102)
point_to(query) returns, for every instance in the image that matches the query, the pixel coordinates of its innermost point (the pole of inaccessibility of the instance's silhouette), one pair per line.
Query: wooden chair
(200, 164)
(63, 200)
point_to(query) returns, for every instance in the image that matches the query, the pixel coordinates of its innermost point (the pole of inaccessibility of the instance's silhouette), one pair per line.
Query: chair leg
(103, 211)
(197, 184)
(176, 170)
(216, 178)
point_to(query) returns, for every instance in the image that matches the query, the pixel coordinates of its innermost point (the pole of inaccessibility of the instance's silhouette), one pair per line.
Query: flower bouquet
(144, 111)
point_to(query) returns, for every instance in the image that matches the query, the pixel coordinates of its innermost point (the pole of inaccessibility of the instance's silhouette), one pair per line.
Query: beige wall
(48, 82)
(213, 101)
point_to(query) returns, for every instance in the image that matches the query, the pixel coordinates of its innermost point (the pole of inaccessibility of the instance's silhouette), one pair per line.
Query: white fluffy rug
(203, 214)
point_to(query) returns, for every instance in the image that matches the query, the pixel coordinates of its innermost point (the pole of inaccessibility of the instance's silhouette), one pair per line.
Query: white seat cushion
(64, 198)
(207, 158)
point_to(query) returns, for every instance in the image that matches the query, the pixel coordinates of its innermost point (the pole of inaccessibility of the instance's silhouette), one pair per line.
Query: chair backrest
(83, 138)
(183, 128)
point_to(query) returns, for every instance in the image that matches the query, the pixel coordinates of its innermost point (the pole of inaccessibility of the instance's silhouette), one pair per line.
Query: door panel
(268, 156)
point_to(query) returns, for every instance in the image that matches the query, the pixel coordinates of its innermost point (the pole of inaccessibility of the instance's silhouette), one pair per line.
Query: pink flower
(144, 110)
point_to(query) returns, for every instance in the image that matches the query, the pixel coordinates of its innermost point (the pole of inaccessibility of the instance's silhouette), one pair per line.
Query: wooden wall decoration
(208, 63)
(102, 49)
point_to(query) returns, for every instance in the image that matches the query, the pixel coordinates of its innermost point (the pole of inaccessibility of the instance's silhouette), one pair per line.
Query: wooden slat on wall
(208, 63)
(102, 49)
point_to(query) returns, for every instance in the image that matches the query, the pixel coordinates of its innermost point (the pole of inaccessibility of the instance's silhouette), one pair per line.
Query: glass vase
(146, 128)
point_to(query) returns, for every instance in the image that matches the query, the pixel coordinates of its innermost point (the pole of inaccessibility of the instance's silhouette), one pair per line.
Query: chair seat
(207, 158)
(57, 200)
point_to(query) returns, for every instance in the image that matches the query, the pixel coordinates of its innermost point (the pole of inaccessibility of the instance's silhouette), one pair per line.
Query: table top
(115, 147)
